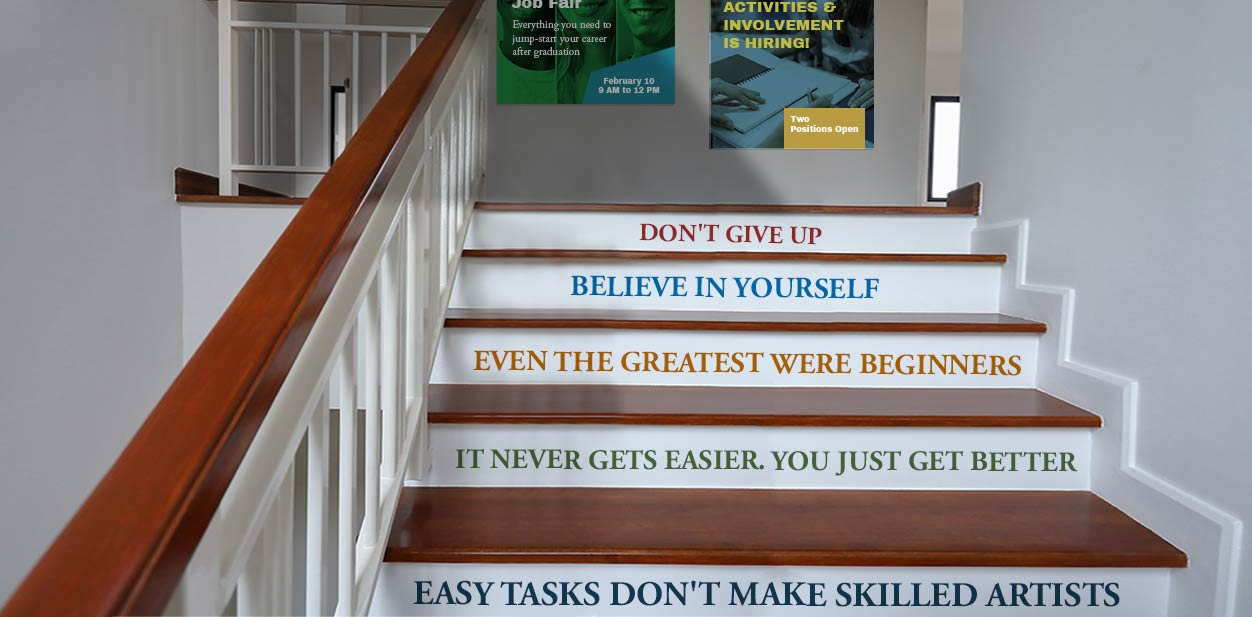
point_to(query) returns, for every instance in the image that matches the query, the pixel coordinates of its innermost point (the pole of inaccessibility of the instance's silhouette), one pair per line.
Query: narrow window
(338, 121)
(945, 146)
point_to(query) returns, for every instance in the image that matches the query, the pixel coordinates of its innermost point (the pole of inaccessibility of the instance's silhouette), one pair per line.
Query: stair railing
(259, 150)
(254, 115)
(246, 488)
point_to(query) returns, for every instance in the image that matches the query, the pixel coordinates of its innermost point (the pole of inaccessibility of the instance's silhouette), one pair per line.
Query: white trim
(1143, 591)
(1124, 485)
(280, 169)
(226, 76)
(279, 25)
(661, 441)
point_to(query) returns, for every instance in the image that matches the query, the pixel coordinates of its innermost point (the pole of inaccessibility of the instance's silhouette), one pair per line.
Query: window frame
(935, 101)
(336, 90)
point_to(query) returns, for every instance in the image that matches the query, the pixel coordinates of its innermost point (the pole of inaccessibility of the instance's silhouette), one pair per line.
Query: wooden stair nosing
(731, 321)
(732, 557)
(626, 405)
(636, 255)
(875, 528)
(240, 200)
(189, 183)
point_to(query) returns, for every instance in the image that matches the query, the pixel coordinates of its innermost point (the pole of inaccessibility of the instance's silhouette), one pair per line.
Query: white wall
(650, 154)
(221, 247)
(944, 30)
(1120, 129)
(103, 100)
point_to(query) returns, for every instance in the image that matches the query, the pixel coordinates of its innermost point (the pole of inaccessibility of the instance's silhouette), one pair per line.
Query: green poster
(585, 52)
(792, 74)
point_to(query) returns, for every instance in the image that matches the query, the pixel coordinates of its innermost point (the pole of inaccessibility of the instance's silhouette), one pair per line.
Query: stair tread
(771, 527)
(637, 255)
(240, 200)
(735, 406)
(740, 321)
(731, 208)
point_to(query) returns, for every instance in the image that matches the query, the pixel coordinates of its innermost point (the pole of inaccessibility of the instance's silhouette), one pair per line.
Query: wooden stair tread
(733, 406)
(771, 527)
(240, 200)
(600, 255)
(731, 208)
(741, 321)
(195, 187)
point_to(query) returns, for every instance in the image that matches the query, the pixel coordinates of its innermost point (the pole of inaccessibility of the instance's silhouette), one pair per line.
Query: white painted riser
(901, 287)
(459, 346)
(514, 456)
(1141, 592)
(624, 231)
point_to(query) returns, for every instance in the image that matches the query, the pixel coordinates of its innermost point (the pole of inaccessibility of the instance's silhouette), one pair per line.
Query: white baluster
(270, 100)
(383, 78)
(462, 172)
(428, 299)
(466, 150)
(368, 326)
(251, 596)
(257, 57)
(484, 128)
(419, 316)
(445, 195)
(297, 124)
(471, 103)
(346, 536)
(356, 83)
(390, 305)
(278, 540)
(330, 135)
(227, 115)
(265, 586)
(318, 452)
(437, 226)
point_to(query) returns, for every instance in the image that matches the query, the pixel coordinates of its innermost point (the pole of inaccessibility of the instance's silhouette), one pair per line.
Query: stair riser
(745, 285)
(1140, 592)
(924, 458)
(626, 231)
(463, 350)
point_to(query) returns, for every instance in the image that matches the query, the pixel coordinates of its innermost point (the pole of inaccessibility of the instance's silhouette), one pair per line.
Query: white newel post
(226, 72)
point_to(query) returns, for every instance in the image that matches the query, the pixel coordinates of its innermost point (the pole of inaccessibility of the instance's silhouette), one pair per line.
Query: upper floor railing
(317, 371)
(290, 93)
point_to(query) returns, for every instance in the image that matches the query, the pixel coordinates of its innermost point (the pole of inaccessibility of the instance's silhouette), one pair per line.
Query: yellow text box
(822, 128)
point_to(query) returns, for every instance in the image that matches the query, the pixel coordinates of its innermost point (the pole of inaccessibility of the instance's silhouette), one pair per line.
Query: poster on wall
(792, 75)
(585, 52)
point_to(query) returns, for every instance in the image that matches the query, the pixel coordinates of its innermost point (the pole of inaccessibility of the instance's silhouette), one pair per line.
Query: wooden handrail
(967, 198)
(125, 550)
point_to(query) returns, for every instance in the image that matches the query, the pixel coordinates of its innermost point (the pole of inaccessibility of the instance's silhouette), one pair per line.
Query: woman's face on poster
(650, 21)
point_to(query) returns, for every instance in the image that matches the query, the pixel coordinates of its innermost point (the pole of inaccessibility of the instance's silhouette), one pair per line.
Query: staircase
(779, 409)
(657, 409)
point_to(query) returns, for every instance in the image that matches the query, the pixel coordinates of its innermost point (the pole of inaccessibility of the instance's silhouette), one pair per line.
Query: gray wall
(945, 21)
(651, 154)
(103, 100)
(1120, 129)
